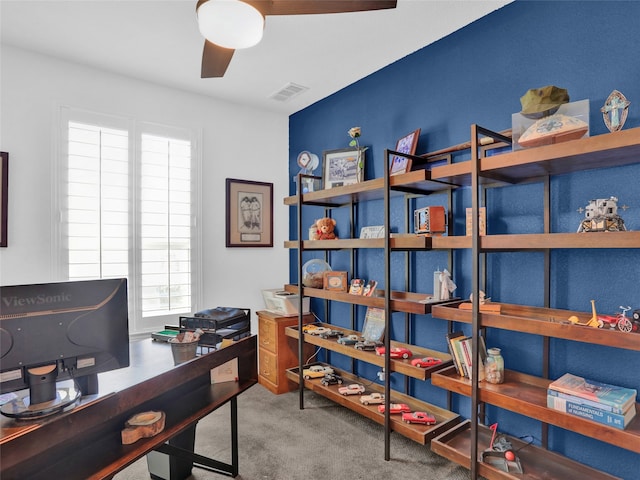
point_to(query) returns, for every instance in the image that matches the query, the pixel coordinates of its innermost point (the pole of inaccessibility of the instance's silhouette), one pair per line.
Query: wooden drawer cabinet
(277, 352)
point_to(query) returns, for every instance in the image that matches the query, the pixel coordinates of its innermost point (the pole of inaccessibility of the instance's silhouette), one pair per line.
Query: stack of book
(607, 404)
(460, 350)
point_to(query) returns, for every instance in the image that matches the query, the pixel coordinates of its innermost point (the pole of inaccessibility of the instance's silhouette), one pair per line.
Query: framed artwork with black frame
(4, 197)
(408, 145)
(249, 213)
(342, 167)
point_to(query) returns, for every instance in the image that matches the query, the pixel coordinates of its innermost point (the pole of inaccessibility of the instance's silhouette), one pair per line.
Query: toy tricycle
(619, 321)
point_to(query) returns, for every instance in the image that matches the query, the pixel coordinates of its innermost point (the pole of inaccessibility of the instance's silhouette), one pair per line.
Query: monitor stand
(44, 397)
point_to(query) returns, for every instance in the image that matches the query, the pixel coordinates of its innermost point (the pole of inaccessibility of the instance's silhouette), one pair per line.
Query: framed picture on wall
(406, 144)
(4, 196)
(341, 167)
(249, 213)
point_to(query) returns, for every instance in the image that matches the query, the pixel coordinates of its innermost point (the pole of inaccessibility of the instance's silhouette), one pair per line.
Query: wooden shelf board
(401, 242)
(408, 302)
(541, 241)
(397, 364)
(602, 151)
(548, 322)
(488, 243)
(536, 462)
(527, 395)
(418, 433)
(418, 182)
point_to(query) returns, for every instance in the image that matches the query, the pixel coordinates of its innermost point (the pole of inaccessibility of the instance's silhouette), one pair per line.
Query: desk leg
(166, 465)
(181, 453)
(234, 436)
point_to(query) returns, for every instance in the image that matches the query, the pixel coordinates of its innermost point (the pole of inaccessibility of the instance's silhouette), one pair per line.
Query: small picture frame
(342, 167)
(373, 231)
(373, 329)
(406, 144)
(356, 287)
(369, 288)
(249, 213)
(335, 281)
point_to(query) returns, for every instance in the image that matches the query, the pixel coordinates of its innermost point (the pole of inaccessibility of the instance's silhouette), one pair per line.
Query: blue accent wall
(477, 75)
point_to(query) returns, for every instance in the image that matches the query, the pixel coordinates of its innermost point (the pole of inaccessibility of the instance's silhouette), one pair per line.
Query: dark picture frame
(249, 213)
(408, 145)
(341, 167)
(4, 197)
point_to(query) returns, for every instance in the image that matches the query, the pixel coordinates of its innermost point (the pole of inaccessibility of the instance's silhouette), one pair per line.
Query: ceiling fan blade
(304, 7)
(215, 60)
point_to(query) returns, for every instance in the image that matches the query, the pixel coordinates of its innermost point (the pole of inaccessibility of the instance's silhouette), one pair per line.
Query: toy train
(601, 215)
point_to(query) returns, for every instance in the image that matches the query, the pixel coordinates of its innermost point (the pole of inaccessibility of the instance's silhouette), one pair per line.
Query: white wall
(238, 142)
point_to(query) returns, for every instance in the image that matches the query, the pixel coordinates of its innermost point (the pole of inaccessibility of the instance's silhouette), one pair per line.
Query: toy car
(395, 352)
(367, 345)
(425, 362)
(316, 371)
(419, 417)
(349, 340)
(395, 408)
(331, 379)
(319, 331)
(331, 334)
(372, 398)
(309, 328)
(352, 389)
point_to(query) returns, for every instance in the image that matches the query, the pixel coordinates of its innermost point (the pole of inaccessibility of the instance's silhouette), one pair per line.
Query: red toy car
(395, 408)
(425, 362)
(419, 417)
(395, 352)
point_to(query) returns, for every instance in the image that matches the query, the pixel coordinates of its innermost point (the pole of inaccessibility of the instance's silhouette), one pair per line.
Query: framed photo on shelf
(249, 213)
(4, 196)
(342, 167)
(373, 329)
(336, 281)
(406, 144)
(373, 231)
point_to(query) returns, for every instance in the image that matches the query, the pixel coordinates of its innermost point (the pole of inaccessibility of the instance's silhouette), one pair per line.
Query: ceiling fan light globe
(230, 23)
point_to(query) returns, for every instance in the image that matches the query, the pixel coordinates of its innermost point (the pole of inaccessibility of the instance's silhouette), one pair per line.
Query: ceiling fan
(231, 24)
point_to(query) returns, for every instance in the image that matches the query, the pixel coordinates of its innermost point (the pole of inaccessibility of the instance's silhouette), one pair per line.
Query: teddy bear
(324, 229)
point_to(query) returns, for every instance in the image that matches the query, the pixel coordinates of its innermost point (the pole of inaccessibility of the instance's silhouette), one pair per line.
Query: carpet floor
(324, 441)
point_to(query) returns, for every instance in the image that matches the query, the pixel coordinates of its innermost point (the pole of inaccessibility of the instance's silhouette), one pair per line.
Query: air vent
(288, 92)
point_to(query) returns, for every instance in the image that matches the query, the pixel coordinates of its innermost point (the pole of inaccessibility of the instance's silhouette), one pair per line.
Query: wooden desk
(85, 443)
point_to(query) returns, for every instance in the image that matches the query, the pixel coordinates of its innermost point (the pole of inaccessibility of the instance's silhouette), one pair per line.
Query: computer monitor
(56, 331)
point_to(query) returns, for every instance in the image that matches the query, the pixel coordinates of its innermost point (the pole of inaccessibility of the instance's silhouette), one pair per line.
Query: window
(165, 225)
(127, 202)
(97, 199)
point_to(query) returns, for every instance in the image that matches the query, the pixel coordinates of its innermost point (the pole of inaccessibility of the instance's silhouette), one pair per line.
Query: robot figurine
(601, 215)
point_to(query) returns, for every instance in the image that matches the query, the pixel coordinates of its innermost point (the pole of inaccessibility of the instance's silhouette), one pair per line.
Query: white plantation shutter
(127, 194)
(165, 224)
(97, 202)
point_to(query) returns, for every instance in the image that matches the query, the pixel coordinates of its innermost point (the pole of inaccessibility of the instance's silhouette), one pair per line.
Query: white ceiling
(158, 41)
